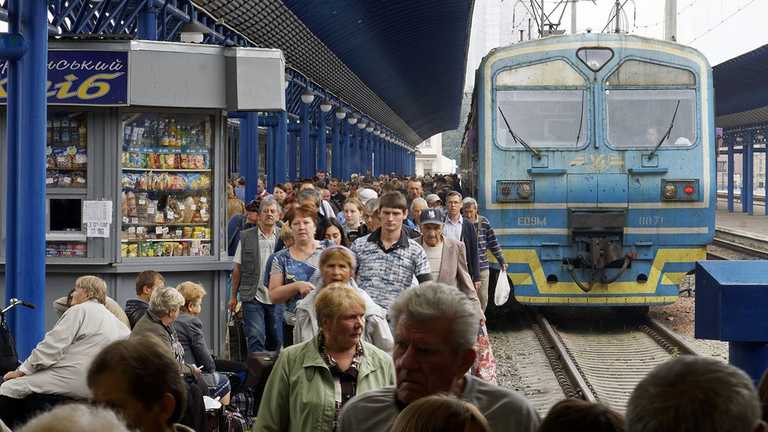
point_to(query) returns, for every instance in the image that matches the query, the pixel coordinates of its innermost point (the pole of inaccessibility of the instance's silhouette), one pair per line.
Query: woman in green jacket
(312, 381)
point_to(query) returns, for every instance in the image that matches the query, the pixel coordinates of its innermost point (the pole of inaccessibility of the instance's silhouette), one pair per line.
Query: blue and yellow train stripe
(633, 292)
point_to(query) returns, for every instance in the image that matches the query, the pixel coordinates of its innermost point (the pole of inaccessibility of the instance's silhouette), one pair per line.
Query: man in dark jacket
(146, 282)
(458, 228)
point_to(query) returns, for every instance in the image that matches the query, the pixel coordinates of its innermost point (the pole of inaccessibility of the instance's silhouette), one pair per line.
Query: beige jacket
(60, 362)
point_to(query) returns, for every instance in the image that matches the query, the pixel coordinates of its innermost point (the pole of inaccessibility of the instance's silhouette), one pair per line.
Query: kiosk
(136, 162)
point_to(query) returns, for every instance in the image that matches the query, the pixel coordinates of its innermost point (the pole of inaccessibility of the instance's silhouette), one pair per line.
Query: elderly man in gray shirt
(435, 331)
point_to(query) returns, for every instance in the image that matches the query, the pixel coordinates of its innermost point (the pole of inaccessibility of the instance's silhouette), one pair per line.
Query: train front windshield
(543, 118)
(649, 104)
(545, 104)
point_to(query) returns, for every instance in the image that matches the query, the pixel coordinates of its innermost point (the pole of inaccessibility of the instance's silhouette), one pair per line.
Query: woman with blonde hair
(189, 329)
(56, 369)
(312, 381)
(440, 413)
(337, 264)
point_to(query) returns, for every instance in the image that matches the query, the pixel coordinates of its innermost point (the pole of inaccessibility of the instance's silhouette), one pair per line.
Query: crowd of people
(372, 293)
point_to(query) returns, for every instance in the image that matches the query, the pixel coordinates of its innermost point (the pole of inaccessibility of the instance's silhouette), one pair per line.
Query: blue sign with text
(81, 78)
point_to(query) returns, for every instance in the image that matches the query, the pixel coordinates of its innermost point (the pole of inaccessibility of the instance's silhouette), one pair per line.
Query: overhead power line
(709, 30)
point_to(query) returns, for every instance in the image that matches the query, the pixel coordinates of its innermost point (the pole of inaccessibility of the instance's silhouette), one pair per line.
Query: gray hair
(372, 206)
(432, 301)
(79, 417)
(268, 201)
(307, 194)
(164, 300)
(468, 201)
(420, 201)
(692, 393)
(94, 287)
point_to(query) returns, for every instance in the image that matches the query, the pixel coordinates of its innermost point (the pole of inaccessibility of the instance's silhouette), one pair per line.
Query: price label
(151, 210)
(134, 220)
(142, 202)
(126, 220)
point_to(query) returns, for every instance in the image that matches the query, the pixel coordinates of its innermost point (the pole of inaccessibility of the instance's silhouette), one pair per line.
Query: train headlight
(514, 191)
(524, 190)
(670, 191)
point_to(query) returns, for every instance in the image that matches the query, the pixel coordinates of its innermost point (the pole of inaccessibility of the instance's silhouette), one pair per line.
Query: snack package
(154, 161)
(189, 209)
(50, 159)
(78, 180)
(62, 158)
(80, 159)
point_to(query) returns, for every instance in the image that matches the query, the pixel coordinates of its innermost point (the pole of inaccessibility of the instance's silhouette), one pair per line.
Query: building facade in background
(430, 159)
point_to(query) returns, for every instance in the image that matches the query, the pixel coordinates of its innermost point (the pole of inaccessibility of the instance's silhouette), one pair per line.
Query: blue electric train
(593, 157)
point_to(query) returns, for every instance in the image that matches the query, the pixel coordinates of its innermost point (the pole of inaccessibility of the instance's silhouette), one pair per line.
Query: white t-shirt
(435, 256)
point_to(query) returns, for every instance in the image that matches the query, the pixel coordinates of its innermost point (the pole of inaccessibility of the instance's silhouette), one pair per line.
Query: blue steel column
(280, 146)
(13, 88)
(307, 156)
(367, 152)
(354, 153)
(335, 141)
(147, 22)
(269, 147)
(748, 177)
(731, 168)
(249, 153)
(292, 152)
(25, 210)
(322, 142)
(346, 155)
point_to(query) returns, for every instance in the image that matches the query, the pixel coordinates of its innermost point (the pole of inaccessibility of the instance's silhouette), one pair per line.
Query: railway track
(734, 245)
(604, 365)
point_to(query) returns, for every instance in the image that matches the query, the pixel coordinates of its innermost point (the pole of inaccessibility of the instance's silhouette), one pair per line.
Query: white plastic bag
(502, 289)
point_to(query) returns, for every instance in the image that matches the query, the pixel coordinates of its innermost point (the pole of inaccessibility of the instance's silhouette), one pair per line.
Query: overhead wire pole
(670, 20)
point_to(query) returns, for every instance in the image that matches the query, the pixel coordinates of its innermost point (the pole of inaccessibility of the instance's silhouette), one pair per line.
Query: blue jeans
(263, 326)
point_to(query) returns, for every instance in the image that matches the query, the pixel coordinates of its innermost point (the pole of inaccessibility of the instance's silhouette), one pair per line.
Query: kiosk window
(66, 150)
(66, 214)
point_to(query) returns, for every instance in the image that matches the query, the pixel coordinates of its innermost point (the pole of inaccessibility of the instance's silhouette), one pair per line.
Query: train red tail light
(680, 190)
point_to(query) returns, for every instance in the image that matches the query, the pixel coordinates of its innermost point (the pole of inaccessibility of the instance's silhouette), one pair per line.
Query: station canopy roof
(402, 62)
(741, 89)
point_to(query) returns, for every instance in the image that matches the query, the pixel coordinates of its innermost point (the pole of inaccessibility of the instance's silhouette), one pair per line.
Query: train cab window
(544, 104)
(644, 100)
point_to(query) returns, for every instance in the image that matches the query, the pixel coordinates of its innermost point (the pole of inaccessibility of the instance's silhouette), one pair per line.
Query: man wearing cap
(447, 258)
(433, 201)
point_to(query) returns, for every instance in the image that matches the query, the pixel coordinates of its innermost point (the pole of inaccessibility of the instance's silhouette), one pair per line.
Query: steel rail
(574, 374)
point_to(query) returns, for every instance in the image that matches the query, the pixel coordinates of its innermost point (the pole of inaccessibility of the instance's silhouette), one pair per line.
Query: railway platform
(755, 226)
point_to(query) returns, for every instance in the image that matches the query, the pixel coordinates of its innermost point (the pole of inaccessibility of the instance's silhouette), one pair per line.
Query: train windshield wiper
(518, 139)
(669, 131)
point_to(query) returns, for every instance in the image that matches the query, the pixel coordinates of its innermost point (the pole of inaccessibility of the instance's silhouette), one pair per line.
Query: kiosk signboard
(78, 77)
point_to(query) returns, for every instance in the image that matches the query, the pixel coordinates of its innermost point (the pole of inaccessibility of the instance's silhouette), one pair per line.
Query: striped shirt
(486, 240)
